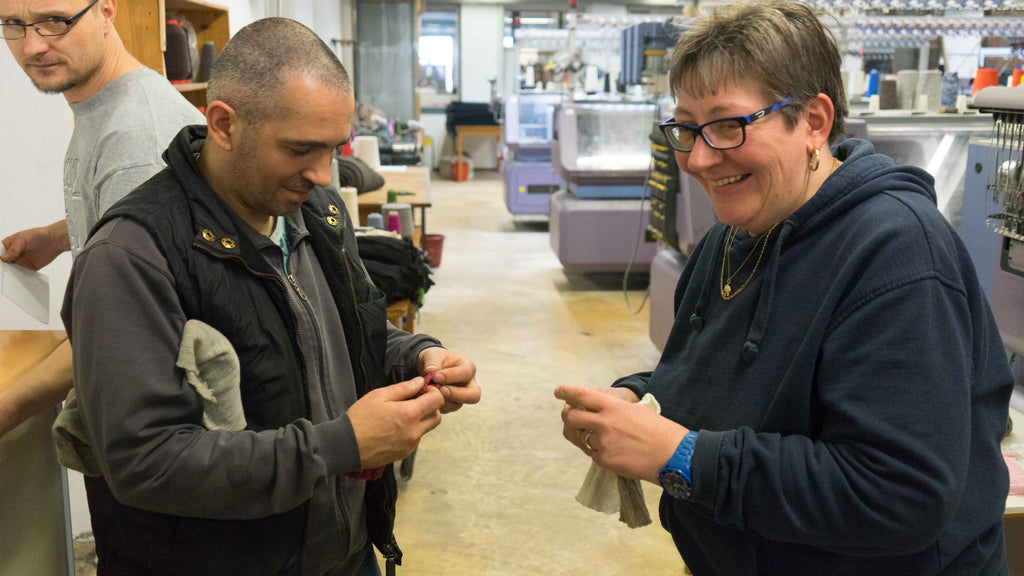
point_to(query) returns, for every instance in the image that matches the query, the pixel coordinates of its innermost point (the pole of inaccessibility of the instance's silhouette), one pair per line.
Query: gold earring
(815, 162)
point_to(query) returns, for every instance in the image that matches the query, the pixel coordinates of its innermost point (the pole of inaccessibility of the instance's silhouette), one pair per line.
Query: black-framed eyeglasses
(52, 26)
(721, 134)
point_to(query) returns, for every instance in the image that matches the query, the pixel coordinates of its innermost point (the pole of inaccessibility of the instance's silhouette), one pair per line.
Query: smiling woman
(831, 296)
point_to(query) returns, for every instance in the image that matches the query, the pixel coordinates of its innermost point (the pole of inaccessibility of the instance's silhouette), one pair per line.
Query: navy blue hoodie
(850, 401)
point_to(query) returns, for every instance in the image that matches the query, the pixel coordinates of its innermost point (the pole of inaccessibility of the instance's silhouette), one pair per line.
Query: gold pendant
(727, 290)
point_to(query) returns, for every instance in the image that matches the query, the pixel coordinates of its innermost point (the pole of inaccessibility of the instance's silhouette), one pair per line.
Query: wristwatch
(675, 476)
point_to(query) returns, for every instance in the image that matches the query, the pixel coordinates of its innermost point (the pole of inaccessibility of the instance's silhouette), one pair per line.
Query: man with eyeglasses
(125, 115)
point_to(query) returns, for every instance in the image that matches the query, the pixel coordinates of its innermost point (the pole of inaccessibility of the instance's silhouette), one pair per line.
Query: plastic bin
(433, 244)
(462, 171)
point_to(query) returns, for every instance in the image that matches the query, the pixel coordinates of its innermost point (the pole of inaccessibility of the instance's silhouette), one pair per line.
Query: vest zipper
(298, 343)
(390, 551)
(359, 318)
(338, 496)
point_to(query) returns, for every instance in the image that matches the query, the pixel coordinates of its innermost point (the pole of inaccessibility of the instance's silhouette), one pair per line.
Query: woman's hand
(620, 435)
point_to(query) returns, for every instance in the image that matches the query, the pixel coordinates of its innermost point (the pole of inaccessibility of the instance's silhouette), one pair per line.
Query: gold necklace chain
(730, 240)
(725, 287)
(835, 164)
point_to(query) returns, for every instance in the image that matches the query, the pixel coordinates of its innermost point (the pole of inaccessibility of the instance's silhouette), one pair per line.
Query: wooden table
(414, 179)
(35, 532)
(467, 130)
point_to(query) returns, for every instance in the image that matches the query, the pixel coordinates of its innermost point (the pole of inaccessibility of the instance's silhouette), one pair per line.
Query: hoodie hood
(862, 176)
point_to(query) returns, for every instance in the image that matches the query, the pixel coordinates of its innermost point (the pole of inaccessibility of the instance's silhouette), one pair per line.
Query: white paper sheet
(29, 290)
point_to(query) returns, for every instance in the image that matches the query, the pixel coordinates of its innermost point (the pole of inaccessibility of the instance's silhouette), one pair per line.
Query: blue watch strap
(680, 460)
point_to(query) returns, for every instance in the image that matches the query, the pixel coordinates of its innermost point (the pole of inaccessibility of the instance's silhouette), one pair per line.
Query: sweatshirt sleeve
(403, 352)
(887, 470)
(144, 421)
(637, 383)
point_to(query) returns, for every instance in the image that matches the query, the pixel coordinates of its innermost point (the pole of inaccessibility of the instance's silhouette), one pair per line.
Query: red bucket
(433, 243)
(460, 171)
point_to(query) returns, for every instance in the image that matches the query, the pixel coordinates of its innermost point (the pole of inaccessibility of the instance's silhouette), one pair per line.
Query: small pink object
(395, 223)
(427, 382)
(1016, 473)
(371, 474)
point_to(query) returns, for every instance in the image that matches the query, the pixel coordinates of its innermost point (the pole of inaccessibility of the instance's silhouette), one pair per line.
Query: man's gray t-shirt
(119, 137)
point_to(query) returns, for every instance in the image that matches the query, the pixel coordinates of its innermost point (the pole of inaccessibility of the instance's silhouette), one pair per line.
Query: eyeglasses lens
(724, 134)
(18, 31)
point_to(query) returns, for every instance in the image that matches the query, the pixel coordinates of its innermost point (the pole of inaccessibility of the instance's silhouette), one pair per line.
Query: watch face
(675, 484)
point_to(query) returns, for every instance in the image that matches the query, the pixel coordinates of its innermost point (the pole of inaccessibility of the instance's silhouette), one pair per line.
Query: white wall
(480, 30)
(481, 57)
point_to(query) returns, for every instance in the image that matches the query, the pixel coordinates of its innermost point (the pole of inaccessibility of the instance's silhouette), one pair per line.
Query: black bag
(396, 266)
(354, 172)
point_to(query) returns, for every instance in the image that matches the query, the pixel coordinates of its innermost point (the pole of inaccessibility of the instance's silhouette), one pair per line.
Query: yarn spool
(350, 196)
(984, 78)
(929, 83)
(888, 97)
(206, 59)
(906, 88)
(950, 90)
(404, 212)
(367, 149)
(872, 88)
(395, 223)
(376, 220)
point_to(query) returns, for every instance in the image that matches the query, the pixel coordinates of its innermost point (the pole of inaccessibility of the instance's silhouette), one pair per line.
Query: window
(439, 49)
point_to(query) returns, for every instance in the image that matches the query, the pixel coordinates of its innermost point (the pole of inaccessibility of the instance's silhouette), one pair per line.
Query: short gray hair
(779, 45)
(259, 59)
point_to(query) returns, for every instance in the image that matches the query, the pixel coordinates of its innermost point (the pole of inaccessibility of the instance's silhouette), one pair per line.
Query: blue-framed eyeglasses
(52, 26)
(721, 134)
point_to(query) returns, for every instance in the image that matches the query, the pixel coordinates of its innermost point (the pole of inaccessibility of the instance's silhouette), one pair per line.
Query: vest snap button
(332, 220)
(333, 209)
(227, 243)
(208, 235)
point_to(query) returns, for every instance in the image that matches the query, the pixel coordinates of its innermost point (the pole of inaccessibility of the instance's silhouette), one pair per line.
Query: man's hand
(36, 247)
(619, 434)
(454, 376)
(390, 421)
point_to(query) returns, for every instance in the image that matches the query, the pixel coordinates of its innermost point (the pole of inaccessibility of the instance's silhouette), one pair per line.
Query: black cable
(644, 194)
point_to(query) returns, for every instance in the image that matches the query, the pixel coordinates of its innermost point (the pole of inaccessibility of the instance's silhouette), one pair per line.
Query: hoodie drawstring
(697, 317)
(751, 346)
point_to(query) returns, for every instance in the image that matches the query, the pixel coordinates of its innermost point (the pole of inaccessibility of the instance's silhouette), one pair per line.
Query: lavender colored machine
(530, 179)
(602, 152)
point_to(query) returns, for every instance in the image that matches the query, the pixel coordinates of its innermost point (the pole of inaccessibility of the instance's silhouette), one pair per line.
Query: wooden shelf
(141, 25)
(191, 86)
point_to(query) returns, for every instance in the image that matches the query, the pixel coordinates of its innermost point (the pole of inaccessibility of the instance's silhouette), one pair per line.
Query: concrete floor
(493, 488)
